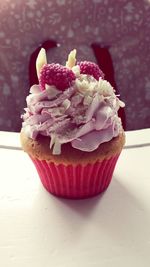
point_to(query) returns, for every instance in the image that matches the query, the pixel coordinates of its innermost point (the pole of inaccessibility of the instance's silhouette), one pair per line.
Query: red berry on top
(90, 68)
(57, 75)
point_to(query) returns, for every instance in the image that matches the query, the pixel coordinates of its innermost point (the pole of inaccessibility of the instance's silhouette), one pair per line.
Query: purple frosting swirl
(85, 114)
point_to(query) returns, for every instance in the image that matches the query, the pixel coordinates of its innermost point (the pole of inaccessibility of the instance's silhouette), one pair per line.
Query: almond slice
(71, 59)
(40, 61)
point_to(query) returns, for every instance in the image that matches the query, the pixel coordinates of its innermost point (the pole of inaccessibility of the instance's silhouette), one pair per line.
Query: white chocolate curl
(71, 59)
(40, 61)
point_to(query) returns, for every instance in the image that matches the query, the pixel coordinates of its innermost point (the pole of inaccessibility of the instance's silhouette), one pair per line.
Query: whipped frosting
(85, 114)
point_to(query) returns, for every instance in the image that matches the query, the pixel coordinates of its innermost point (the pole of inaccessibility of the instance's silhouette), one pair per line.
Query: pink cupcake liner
(76, 181)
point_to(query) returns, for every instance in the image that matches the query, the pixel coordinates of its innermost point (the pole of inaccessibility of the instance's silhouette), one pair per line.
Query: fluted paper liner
(76, 181)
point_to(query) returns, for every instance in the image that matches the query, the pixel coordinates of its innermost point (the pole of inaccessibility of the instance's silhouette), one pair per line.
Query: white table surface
(110, 230)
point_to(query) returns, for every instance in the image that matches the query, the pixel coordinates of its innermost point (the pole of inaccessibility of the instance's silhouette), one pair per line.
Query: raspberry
(57, 75)
(90, 68)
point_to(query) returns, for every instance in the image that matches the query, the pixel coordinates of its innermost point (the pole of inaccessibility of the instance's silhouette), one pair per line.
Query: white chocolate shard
(121, 103)
(52, 142)
(53, 92)
(57, 147)
(40, 61)
(87, 100)
(71, 59)
(76, 70)
(66, 103)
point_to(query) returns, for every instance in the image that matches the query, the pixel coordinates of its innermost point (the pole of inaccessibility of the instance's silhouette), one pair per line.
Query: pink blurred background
(121, 25)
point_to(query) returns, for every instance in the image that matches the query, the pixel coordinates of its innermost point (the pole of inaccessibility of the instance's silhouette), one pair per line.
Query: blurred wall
(121, 24)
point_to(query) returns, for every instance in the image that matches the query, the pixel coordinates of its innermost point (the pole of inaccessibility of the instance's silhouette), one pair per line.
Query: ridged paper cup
(76, 181)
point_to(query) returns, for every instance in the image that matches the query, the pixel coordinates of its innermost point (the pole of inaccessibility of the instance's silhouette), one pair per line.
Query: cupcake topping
(57, 75)
(41, 60)
(72, 104)
(71, 59)
(90, 68)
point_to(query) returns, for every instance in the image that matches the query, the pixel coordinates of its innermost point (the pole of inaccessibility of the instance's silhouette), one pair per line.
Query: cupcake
(71, 129)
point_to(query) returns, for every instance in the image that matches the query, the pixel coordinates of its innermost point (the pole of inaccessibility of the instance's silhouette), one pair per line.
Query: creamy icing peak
(85, 114)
